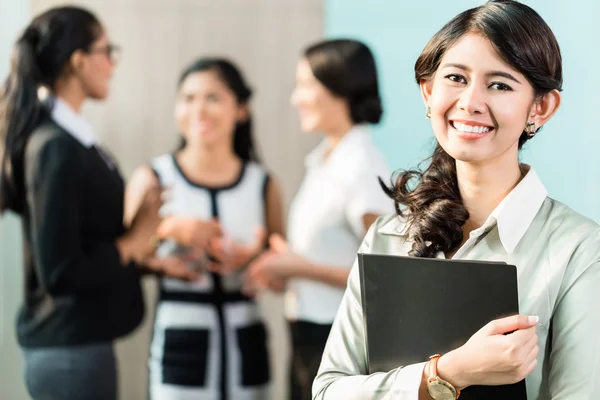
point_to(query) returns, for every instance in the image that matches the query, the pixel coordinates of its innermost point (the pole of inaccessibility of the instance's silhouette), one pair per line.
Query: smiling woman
(337, 95)
(486, 94)
(485, 101)
(209, 340)
(490, 78)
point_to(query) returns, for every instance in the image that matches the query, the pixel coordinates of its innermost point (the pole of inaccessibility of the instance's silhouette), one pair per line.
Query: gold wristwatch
(438, 388)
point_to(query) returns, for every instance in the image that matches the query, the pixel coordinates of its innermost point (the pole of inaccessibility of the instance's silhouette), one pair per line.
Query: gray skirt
(71, 373)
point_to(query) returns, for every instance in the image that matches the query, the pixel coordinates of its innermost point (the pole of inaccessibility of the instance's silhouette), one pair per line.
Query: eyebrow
(489, 74)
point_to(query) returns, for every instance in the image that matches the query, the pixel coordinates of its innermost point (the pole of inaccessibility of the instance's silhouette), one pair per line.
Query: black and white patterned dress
(209, 340)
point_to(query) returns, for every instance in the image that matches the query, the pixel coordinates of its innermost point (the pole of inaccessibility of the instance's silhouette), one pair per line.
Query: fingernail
(533, 319)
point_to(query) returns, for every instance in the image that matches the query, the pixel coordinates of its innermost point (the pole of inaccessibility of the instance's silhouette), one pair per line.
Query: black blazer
(76, 289)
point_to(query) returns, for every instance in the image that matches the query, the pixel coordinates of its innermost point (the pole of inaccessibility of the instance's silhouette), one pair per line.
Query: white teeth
(470, 129)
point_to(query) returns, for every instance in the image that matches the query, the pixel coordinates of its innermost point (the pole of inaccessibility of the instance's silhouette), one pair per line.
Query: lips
(200, 128)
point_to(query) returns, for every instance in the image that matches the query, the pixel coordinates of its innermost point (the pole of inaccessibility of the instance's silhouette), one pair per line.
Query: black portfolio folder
(416, 307)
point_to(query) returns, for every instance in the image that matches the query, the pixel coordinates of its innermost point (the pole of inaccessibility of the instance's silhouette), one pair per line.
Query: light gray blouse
(557, 254)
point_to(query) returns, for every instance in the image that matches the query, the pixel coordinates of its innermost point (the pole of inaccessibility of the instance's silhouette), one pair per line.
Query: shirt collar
(516, 212)
(513, 215)
(72, 122)
(351, 139)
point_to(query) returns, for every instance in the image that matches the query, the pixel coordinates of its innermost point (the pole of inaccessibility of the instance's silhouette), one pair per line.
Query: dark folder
(416, 307)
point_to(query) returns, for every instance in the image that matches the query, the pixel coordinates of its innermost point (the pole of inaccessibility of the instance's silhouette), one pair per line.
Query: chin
(99, 95)
(467, 158)
(208, 140)
(464, 150)
(309, 126)
(460, 153)
(466, 155)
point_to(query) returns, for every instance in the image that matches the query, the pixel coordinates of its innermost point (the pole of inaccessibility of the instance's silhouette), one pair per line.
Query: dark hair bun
(347, 68)
(366, 109)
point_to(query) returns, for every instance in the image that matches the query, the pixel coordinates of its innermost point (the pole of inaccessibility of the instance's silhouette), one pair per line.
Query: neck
(70, 94)
(483, 187)
(335, 135)
(203, 158)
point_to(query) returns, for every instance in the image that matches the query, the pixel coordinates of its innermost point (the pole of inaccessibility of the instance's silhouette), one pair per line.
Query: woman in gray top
(490, 79)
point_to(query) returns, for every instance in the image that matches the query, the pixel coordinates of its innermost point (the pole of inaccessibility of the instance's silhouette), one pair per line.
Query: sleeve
(342, 374)
(366, 195)
(575, 344)
(54, 177)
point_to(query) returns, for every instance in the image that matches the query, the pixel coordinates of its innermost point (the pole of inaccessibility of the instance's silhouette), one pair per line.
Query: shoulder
(365, 148)
(49, 135)
(570, 236)
(570, 225)
(390, 224)
(153, 172)
(143, 173)
(161, 162)
(365, 159)
(256, 174)
(385, 236)
(255, 168)
(388, 234)
(49, 145)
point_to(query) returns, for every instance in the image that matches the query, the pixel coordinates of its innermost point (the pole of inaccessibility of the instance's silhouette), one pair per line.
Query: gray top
(557, 254)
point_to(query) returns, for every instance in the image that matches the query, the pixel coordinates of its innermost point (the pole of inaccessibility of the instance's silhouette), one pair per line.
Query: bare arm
(368, 220)
(275, 209)
(141, 180)
(184, 230)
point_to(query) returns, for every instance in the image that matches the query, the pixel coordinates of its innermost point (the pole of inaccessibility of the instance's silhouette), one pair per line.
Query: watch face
(439, 391)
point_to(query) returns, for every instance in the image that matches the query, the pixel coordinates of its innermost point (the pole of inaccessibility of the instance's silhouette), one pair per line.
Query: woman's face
(480, 105)
(207, 111)
(319, 109)
(94, 68)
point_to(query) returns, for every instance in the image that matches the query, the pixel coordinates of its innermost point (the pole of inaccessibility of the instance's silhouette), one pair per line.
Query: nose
(472, 99)
(114, 54)
(295, 97)
(200, 107)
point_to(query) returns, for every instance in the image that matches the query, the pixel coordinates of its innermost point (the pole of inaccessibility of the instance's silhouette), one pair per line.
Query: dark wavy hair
(430, 199)
(243, 140)
(39, 57)
(347, 68)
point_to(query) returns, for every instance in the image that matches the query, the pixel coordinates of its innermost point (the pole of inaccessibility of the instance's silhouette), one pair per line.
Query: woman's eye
(500, 86)
(456, 78)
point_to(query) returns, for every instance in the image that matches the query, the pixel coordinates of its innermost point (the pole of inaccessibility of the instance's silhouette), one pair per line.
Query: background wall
(264, 37)
(564, 153)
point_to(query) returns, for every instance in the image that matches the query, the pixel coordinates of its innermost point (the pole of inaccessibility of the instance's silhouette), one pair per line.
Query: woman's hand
(190, 232)
(274, 267)
(231, 256)
(502, 352)
(172, 267)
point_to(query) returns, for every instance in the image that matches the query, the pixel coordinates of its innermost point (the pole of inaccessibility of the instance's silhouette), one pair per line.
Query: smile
(471, 130)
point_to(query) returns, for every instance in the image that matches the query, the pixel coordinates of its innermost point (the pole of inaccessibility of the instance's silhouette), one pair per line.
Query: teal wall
(565, 154)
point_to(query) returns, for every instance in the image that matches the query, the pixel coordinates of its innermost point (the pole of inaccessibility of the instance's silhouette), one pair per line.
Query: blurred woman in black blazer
(82, 286)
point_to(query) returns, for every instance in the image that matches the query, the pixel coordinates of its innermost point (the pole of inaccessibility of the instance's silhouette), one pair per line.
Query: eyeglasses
(113, 52)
